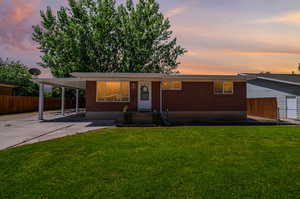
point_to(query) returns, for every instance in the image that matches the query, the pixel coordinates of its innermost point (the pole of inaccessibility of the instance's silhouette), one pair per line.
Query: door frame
(150, 94)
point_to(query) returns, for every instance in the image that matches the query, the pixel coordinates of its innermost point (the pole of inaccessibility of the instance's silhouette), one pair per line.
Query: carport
(73, 83)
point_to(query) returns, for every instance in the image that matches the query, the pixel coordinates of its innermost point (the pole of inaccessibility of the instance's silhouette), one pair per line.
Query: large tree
(103, 36)
(16, 72)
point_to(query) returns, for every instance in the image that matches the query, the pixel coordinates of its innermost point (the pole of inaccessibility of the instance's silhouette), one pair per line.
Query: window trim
(176, 89)
(223, 93)
(103, 101)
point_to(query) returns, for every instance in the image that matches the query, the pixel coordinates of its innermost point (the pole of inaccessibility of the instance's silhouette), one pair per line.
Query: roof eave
(74, 83)
(154, 77)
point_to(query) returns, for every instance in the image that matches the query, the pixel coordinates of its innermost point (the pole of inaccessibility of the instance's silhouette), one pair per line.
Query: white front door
(145, 98)
(291, 104)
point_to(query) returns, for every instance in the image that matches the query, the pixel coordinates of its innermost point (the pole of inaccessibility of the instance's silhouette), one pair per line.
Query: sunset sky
(221, 36)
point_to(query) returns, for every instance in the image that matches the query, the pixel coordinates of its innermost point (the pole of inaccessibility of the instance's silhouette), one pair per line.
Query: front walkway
(20, 129)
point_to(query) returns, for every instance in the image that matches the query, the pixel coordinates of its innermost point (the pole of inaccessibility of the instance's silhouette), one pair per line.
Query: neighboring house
(7, 88)
(284, 87)
(180, 97)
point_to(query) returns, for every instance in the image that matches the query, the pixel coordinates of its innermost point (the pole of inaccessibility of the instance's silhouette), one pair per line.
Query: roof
(293, 79)
(79, 79)
(8, 84)
(154, 76)
(285, 88)
(62, 82)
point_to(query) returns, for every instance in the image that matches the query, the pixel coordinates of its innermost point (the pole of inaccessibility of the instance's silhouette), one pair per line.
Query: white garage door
(291, 103)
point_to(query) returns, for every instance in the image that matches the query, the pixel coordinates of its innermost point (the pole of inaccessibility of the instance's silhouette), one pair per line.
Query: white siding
(298, 107)
(254, 91)
(292, 107)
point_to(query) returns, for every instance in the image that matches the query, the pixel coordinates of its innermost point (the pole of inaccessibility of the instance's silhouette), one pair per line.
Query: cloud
(271, 52)
(175, 11)
(287, 18)
(232, 61)
(203, 67)
(200, 67)
(254, 52)
(20, 13)
(17, 18)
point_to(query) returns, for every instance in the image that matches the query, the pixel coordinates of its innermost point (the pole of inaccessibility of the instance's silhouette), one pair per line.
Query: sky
(221, 36)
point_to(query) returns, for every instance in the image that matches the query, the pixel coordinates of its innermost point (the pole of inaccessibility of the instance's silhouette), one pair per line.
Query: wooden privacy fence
(263, 107)
(22, 104)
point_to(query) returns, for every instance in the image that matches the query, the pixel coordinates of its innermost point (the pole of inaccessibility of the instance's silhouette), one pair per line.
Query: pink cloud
(214, 51)
(239, 52)
(198, 67)
(16, 23)
(176, 11)
(21, 11)
(288, 18)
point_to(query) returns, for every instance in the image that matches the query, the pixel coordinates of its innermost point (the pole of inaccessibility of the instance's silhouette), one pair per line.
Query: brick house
(180, 97)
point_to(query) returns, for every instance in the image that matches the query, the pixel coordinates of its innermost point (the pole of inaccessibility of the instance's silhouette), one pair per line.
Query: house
(7, 88)
(178, 97)
(284, 87)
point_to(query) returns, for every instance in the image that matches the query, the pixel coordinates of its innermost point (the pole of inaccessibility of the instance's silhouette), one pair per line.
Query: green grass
(179, 162)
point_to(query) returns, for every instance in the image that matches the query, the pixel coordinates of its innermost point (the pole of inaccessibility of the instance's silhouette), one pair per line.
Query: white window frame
(178, 89)
(223, 93)
(104, 101)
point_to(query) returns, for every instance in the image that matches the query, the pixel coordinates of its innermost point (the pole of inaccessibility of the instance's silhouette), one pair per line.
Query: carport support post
(77, 101)
(160, 98)
(41, 101)
(63, 100)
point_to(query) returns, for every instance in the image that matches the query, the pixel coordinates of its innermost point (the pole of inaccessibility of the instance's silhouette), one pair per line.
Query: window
(171, 85)
(218, 87)
(112, 91)
(228, 87)
(223, 87)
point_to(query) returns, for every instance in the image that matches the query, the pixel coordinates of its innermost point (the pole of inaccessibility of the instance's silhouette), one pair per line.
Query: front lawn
(179, 162)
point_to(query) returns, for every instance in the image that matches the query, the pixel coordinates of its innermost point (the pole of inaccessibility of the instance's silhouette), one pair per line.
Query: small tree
(103, 36)
(16, 72)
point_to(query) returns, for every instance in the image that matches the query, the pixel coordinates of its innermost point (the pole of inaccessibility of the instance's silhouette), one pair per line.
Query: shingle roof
(283, 78)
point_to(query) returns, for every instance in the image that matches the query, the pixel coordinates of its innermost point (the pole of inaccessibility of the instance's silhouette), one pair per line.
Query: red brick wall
(199, 96)
(93, 106)
(194, 96)
(156, 96)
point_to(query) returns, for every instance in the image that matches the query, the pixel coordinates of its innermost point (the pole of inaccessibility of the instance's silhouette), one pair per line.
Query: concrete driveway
(20, 129)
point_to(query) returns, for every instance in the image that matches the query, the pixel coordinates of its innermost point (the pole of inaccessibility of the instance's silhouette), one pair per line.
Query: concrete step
(142, 118)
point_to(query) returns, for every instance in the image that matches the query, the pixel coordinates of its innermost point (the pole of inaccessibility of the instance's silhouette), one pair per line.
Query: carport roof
(62, 82)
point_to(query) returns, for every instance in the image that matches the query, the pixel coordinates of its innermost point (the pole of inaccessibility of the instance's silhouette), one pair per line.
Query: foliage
(265, 73)
(180, 162)
(16, 72)
(103, 36)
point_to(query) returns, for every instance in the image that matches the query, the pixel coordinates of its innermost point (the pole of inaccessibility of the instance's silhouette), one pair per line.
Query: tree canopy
(104, 36)
(16, 72)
